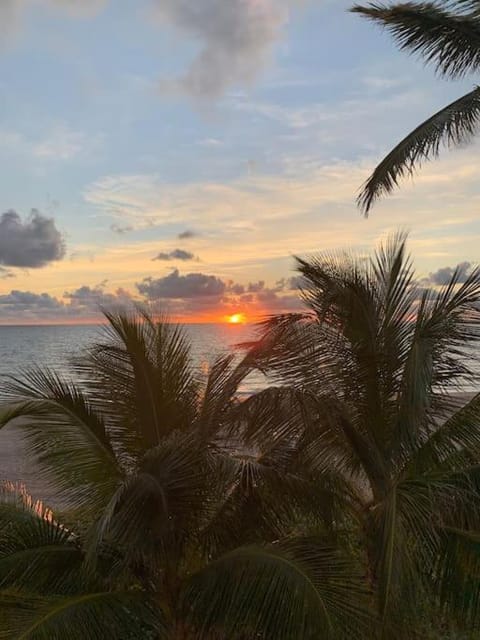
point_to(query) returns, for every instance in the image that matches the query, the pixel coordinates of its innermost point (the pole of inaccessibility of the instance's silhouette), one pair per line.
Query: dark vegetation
(341, 502)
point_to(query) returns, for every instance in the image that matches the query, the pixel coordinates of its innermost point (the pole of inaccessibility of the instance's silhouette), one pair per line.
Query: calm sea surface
(24, 346)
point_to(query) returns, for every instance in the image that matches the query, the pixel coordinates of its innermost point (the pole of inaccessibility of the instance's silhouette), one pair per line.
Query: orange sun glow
(236, 318)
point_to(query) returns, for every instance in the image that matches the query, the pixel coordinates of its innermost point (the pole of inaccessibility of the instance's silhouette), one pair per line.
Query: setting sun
(236, 318)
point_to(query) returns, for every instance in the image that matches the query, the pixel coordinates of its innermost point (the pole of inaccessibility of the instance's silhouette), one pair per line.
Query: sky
(182, 152)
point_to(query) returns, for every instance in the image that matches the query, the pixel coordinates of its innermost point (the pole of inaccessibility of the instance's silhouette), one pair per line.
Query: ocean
(22, 347)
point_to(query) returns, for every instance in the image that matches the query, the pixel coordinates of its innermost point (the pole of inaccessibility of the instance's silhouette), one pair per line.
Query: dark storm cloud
(33, 243)
(176, 254)
(444, 275)
(176, 286)
(236, 38)
(187, 234)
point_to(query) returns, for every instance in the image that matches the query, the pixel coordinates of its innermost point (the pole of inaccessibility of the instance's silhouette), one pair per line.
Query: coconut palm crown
(376, 363)
(446, 34)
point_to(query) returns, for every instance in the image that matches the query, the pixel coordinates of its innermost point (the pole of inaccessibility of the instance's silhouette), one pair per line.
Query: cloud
(194, 296)
(445, 274)
(6, 273)
(176, 286)
(90, 299)
(255, 287)
(187, 235)
(33, 243)
(235, 288)
(257, 222)
(57, 142)
(145, 200)
(21, 301)
(267, 300)
(294, 283)
(199, 294)
(82, 303)
(61, 144)
(176, 254)
(236, 39)
(117, 228)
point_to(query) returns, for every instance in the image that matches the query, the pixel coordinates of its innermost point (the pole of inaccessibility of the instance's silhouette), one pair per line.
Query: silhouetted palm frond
(449, 40)
(446, 34)
(295, 589)
(66, 436)
(453, 125)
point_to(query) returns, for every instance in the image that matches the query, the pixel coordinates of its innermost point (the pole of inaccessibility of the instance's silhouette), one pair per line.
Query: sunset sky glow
(155, 153)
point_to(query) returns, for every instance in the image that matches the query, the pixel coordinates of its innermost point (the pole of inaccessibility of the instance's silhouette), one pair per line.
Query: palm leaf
(457, 440)
(402, 538)
(448, 40)
(142, 378)
(297, 589)
(245, 505)
(66, 437)
(453, 125)
(457, 574)
(90, 616)
(220, 393)
(445, 330)
(36, 552)
(156, 510)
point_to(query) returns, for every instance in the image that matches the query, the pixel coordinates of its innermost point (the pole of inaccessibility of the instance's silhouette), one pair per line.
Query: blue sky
(250, 123)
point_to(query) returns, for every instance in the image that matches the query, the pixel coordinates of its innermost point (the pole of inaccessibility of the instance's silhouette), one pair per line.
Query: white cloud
(346, 114)
(308, 207)
(57, 143)
(62, 144)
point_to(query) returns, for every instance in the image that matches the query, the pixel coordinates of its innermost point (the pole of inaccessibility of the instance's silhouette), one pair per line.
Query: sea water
(22, 347)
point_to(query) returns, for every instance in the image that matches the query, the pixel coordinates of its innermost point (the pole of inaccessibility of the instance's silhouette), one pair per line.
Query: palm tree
(374, 365)
(446, 33)
(169, 526)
